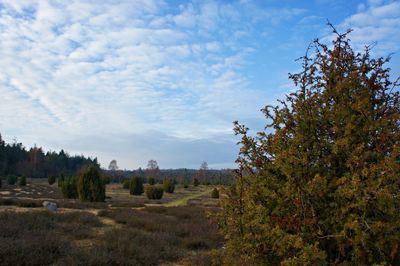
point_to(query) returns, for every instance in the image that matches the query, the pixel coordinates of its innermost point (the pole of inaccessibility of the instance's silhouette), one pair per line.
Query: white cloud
(100, 70)
(378, 22)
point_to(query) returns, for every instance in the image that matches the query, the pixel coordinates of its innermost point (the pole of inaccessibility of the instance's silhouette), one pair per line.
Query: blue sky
(146, 79)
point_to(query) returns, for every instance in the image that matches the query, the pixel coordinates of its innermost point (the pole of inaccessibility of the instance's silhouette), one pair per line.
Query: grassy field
(124, 230)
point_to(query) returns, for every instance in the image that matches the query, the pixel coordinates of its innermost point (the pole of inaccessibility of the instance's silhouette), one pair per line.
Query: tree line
(15, 159)
(203, 175)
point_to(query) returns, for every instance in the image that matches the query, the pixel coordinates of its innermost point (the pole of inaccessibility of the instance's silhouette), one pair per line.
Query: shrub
(22, 181)
(51, 180)
(215, 193)
(168, 186)
(12, 179)
(68, 187)
(196, 182)
(90, 185)
(126, 183)
(136, 186)
(151, 181)
(185, 185)
(154, 192)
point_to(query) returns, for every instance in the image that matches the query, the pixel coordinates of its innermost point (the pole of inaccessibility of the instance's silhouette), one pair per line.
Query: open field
(124, 230)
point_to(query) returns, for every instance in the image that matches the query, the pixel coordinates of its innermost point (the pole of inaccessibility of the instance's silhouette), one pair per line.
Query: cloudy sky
(144, 79)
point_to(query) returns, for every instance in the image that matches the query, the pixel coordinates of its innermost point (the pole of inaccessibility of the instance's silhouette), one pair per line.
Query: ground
(124, 230)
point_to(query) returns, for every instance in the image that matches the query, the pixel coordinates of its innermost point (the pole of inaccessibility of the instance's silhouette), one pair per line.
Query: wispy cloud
(376, 22)
(85, 68)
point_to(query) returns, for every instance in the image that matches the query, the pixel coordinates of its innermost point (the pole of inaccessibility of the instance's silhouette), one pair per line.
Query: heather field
(123, 230)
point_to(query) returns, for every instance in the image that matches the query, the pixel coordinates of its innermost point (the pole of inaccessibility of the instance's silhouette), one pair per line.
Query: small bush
(12, 179)
(51, 180)
(151, 181)
(215, 193)
(22, 181)
(136, 186)
(126, 183)
(68, 187)
(90, 185)
(186, 185)
(154, 192)
(169, 186)
(196, 182)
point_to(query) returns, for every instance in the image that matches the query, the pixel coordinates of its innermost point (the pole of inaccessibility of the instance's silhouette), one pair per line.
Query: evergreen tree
(136, 186)
(169, 186)
(321, 184)
(51, 179)
(22, 181)
(90, 185)
(12, 179)
(68, 187)
(154, 192)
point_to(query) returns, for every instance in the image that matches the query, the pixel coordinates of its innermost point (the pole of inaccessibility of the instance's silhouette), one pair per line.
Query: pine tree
(320, 185)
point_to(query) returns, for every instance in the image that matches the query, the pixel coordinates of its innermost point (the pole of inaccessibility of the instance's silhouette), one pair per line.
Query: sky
(137, 80)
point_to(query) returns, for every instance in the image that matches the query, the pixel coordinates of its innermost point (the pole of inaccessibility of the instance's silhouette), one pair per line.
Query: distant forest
(15, 159)
(181, 176)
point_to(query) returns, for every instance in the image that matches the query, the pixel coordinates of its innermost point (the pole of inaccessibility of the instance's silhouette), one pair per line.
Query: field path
(184, 200)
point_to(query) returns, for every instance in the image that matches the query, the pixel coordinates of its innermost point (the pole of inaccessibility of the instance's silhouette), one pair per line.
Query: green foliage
(68, 187)
(51, 179)
(126, 183)
(185, 185)
(215, 193)
(136, 186)
(196, 182)
(12, 179)
(60, 181)
(22, 181)
(320, 186)
(90, 185)
(154, 192)
(151, 181)
(169, 186)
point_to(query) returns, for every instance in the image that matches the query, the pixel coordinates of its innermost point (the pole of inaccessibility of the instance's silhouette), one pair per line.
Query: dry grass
(115, 232)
